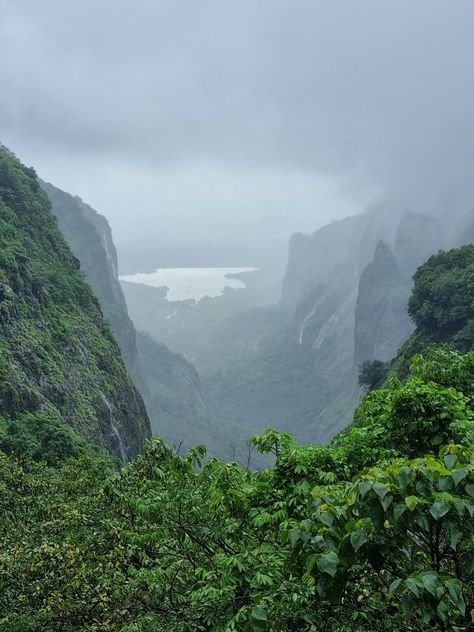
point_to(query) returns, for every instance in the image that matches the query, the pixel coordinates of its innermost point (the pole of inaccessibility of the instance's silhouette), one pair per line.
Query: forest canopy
(372, 532)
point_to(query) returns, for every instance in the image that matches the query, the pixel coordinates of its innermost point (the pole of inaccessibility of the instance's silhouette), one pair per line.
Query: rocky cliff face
(58, 355)
(90, 238)
(382, 323)
(169, 384)
(344, 301)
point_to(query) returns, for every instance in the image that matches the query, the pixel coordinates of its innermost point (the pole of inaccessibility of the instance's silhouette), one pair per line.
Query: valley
(236, 316)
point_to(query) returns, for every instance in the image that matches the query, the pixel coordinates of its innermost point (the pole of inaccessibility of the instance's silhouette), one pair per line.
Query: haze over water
(190, 283)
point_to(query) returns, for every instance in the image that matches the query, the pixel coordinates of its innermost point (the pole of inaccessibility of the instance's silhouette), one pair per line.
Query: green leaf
(326, 518)
(399, 511)
(359, 538)
(470, 489)
(294, 536)
(328, 563)
(454, 587)
(311, 561)
(424, 488)
(432, 584)
(259, 618)
(386, 502)
(380, 490)
(455, 535)
(458, 475)
(445, 483)
(394, 586)
(439, 509)
(364, 487)
(405, 477)
(411, 502)
(450, 460)
(415, 585)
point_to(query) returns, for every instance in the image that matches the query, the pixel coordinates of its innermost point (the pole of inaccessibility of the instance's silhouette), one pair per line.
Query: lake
(190, 283)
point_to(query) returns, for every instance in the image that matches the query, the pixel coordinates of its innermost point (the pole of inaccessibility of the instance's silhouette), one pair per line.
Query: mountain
(59, 361)
(169, 384)
(294, 365)
(90, 238)
(382, 323)
(371, 532)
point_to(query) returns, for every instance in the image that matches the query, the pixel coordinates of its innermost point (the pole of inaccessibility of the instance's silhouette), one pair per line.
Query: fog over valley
(237, 316)
(208, 133)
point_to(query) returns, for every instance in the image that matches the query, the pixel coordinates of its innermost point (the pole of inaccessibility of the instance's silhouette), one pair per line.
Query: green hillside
(59, 364)
(373, 532)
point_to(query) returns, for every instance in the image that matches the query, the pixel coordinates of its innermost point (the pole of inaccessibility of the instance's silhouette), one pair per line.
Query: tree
(372, 374)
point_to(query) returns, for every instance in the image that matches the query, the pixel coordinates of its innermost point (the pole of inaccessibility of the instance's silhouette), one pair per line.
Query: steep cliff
(382, 323)
(58, 355)
(169, 384)
(90, 238)
(344, 301)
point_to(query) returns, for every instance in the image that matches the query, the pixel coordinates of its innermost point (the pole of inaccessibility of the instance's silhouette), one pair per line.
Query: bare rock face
(382, 323)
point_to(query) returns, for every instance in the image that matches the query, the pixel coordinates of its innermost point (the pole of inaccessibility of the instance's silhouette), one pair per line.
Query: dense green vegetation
(441, 305)
(57, 354)
(374, 532)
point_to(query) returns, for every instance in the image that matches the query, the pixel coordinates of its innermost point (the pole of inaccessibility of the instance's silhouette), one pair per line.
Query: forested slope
(168, 383)
(60, 368)
(373, 532)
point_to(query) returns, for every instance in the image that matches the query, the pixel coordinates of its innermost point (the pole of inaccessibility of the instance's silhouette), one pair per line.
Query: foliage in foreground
(372, 533)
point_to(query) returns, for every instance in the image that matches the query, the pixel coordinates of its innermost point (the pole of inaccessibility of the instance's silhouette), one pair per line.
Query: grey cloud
(376, 92)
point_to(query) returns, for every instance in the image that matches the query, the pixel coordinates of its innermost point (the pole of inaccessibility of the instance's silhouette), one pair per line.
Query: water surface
(190, 283)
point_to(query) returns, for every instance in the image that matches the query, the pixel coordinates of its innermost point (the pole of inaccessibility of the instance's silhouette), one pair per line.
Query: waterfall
(325, 329)
(303, 325)
(115, 432)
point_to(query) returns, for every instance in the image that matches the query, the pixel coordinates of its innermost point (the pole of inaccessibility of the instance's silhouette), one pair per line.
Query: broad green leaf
(328, 563)
(311, 561)
(424, 488)
(459, 475)
(364, 487)
(432, 584)
(454, 587)
(380, 490)
(358, 538)
(450, 460)
(415, 585)
(455, 534)
(445, 483)
(394, 586)
(439, 509)
(327, 518)
(294, 536)
(259, 617)
(405, 477)
(386, 502)
(399, 511)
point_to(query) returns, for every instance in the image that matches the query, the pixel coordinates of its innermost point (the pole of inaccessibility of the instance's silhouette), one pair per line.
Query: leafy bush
(372, 533)
(442, 301)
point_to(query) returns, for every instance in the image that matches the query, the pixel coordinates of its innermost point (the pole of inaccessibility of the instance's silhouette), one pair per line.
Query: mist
(208, 132)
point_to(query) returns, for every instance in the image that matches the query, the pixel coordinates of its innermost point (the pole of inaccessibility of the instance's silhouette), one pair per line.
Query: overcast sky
(207, 121)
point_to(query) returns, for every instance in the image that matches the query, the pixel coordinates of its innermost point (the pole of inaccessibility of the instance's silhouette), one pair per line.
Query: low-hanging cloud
(374, 97)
